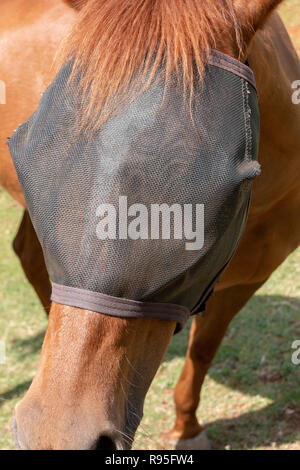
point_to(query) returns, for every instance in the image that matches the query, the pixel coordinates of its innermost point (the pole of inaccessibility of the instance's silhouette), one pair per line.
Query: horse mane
(118, 47)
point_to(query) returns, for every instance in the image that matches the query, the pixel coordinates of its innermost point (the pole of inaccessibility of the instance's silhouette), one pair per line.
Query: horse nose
(108, 442)
(104, 443)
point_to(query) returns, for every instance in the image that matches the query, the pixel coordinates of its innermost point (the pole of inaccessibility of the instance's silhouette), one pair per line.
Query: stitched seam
(247, 118)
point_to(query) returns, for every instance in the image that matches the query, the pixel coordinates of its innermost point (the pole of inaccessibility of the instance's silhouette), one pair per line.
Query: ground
(251, 396)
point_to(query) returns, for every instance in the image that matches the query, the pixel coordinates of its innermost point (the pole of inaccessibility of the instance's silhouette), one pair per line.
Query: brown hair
(119, 46)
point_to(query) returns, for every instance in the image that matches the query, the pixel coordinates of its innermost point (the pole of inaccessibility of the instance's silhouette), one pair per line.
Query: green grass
(251, 396)
(290, 12)
(22, 322)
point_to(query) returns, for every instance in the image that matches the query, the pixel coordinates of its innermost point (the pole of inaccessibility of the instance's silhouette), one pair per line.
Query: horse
(95, 370)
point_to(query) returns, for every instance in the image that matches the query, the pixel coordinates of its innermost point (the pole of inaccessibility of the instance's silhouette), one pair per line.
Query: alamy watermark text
(160, 221)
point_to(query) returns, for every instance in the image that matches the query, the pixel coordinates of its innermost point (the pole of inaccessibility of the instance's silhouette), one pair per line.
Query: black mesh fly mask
(141, 219)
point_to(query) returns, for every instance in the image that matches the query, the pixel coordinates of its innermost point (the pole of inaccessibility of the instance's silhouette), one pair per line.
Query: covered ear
(253, 14)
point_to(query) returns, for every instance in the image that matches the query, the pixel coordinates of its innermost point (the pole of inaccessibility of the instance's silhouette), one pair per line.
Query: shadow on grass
(16, 391)
(30, 345)
(266, 322)
(257, 349)
(271, 426)
(23, 348)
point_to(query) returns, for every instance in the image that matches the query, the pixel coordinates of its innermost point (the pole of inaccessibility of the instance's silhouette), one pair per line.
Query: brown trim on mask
(223, 61)
(119, 307)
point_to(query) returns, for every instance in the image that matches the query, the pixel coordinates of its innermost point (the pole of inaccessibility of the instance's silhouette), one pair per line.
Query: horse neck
(276, 66)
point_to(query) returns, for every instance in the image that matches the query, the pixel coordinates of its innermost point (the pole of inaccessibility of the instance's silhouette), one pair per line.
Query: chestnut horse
(95, 370)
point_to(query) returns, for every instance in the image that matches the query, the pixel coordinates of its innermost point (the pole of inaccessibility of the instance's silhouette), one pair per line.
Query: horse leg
(27, 247)
(206, 335)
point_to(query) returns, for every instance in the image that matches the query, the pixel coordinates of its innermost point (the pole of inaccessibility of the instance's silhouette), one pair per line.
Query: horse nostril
(105, 443)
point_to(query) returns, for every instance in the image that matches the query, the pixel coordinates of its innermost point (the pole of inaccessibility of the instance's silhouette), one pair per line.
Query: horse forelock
(118, 47)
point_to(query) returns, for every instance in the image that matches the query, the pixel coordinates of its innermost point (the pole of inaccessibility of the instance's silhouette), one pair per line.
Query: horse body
(100, 399)
(27, 36)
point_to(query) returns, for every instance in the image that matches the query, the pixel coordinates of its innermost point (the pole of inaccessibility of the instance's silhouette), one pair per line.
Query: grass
(251, 396)
(22, 322)
(290, 12)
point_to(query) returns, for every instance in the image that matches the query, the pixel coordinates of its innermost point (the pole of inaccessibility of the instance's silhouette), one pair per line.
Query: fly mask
(141, 218)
